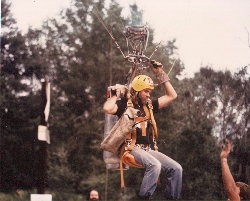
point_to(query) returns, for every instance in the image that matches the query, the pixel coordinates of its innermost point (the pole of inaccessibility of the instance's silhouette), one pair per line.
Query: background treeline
(76, 54)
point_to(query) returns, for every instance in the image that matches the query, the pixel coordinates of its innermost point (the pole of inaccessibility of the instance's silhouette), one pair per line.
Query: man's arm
(169, 96)
(117, 91)
(228, 180)
(162, 78)
(110, 106)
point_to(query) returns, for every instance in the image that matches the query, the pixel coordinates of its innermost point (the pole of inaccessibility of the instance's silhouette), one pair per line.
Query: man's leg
(174, 174)
(153, 170)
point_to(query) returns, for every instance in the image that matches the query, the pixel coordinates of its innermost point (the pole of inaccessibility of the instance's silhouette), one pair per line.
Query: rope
(171, 67)
(109, 32)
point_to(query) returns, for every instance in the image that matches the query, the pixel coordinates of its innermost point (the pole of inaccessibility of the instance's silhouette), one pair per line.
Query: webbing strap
(121, 166)
(143, 120)
(130, 103)
(154, 130)
(131, 146)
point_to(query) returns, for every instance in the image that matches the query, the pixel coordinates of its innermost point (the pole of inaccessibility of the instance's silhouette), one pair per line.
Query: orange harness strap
(154, 130)
(143, 120)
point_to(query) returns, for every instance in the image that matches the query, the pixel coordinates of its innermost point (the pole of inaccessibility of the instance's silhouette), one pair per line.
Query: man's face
(94, 195)
(144, 95)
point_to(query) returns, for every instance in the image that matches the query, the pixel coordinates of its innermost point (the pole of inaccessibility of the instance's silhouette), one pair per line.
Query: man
(93, 195)
(235, 191)
(153, 161)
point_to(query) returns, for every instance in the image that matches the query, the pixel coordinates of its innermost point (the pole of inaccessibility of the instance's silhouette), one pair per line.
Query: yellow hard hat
(142, 82)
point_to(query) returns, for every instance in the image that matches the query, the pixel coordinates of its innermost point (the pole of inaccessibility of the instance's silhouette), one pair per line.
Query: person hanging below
(148, 157)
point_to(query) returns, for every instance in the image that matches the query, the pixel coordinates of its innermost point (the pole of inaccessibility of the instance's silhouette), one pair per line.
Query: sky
(211, 33)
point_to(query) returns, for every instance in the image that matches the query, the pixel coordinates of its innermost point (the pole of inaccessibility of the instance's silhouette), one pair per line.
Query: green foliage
(19, 109)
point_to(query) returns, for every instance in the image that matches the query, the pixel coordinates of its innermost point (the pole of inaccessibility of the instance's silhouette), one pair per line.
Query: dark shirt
(122, 105)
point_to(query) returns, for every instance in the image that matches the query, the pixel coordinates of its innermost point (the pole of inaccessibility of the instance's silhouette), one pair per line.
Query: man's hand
(161, 76)
(119, 90)
(156, 67)
(226, 150)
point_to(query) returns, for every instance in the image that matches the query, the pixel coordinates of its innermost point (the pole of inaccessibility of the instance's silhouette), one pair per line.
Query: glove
(157, 69)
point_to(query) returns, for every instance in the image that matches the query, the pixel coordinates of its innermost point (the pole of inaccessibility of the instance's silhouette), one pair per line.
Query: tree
(78, 51)
(19, 106)
(241, 125)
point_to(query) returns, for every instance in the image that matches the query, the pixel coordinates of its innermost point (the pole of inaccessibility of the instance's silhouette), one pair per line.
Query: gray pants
(155, 162)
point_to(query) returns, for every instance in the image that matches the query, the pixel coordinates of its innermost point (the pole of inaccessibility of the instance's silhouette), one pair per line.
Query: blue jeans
(155, 162)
